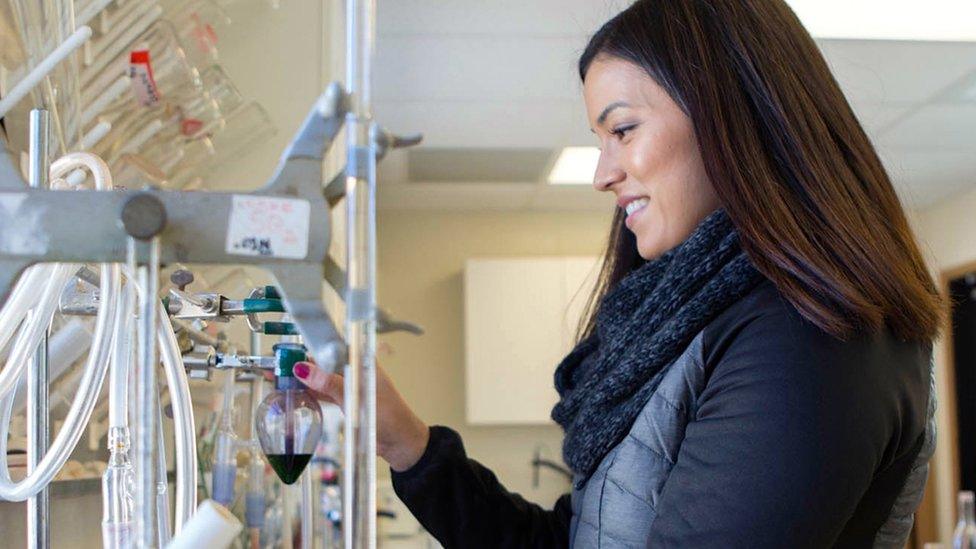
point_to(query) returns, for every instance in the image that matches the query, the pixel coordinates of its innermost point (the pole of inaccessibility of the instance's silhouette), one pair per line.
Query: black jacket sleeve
(462, 504)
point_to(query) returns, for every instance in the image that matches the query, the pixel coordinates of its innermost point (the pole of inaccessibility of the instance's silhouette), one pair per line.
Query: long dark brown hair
(791, 164)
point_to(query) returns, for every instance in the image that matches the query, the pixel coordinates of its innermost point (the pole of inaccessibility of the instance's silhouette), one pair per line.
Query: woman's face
(649, 156)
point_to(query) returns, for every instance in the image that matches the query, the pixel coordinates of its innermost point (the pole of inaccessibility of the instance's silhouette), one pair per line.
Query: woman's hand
(401, 437)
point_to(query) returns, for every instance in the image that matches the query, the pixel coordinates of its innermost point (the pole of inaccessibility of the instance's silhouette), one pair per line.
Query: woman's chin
(649, 251)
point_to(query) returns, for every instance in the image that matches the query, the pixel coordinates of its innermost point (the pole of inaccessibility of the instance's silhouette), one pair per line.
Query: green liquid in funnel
(289, 466)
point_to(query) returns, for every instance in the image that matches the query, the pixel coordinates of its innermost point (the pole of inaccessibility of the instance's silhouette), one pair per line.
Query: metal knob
(143, 216)
(181, 278)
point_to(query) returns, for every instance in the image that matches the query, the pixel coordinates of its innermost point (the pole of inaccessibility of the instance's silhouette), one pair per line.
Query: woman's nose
(606, 174)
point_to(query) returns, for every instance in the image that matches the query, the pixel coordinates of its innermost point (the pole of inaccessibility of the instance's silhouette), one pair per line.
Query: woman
(754, 370)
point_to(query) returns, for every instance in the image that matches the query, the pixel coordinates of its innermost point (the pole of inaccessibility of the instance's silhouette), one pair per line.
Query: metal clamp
(246, 363)
(80, 297)
(188, 306)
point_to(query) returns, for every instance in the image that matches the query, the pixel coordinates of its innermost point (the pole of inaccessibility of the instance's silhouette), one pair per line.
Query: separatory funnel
(289, 420)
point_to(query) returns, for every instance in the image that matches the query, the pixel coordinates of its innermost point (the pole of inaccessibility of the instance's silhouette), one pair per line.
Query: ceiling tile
(885, 71)
(497, 17)
(530, 124)
(481, 67)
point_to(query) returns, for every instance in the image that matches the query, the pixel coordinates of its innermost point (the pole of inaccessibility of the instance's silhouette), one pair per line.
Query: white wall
(421, 262)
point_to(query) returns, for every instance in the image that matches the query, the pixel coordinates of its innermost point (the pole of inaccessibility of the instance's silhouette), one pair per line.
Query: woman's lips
(634, 209)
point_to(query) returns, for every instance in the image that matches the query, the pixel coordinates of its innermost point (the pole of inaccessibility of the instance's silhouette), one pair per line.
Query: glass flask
(289, 420)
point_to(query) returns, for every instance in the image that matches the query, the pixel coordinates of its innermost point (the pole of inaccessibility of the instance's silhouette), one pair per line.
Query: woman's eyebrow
(610, 108)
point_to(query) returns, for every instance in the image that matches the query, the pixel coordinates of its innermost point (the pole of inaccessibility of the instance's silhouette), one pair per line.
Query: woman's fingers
(326, 386)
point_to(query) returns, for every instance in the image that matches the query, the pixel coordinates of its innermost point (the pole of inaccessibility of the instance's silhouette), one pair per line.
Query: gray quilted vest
(615, 507)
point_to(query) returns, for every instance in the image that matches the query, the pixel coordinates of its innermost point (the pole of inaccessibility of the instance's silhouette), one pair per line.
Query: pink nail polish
(301, 370)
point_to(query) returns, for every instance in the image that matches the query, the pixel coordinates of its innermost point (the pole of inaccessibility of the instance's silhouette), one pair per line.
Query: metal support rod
(257, 387)
(255, 471)
(38, 404)
(147, 275)
(359, 468)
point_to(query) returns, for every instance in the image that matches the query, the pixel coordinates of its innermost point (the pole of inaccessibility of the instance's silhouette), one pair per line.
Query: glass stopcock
(289, 420)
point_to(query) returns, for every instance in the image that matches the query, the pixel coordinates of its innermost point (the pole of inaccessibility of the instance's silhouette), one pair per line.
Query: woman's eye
(622, 131)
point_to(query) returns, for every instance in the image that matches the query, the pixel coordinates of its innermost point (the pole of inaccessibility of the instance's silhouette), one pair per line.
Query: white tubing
(94, 164)
(95, 135)
(118, 409)
(35, 325)
(185, 431)
(31, 283)
(43, 68)
(30, 335)
(81, 408)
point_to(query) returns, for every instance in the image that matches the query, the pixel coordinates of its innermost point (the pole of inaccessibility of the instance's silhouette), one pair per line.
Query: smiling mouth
(635, 205)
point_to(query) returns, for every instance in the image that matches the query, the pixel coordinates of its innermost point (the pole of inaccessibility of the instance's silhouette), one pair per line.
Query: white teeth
(635, 205)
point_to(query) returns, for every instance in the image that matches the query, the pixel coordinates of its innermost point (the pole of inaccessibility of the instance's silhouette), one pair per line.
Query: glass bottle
(965, 534)
(289, 420)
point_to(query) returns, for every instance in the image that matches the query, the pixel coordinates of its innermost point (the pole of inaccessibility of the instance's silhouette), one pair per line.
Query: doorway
(962, 295)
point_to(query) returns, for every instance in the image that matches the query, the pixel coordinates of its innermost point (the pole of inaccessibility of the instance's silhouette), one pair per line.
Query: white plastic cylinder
(212, 526)
(43, 68)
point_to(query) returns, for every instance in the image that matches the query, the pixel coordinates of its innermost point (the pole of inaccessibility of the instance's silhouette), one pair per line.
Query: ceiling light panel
(938, 20)
(575, 166)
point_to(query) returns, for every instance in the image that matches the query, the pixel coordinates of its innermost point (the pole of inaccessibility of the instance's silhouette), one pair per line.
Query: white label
(268, 226)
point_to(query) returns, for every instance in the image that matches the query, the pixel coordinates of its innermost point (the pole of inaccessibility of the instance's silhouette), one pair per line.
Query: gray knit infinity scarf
(642, 326)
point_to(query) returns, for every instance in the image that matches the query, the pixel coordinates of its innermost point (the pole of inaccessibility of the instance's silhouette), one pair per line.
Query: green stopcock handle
(280, 328)
(263, 305)
(286, 355)
(271, 292)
